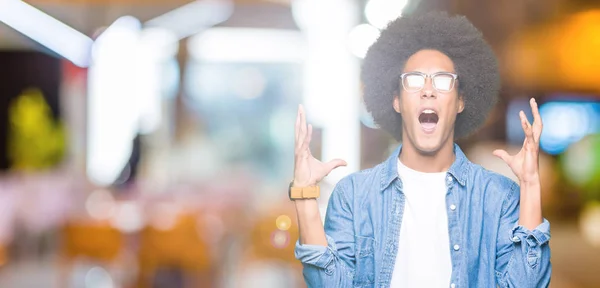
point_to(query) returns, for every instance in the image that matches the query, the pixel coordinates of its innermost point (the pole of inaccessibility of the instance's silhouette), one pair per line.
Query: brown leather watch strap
(308, 192)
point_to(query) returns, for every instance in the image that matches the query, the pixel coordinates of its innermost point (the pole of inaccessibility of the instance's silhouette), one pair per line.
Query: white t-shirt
(423, 258)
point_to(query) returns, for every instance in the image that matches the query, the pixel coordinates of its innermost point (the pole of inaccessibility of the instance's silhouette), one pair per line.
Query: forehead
(429, 61)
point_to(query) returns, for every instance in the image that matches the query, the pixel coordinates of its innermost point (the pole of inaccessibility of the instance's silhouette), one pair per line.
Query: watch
(308, 192)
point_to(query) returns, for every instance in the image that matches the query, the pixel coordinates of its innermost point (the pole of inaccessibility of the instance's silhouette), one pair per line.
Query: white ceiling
(88, 18)
(83, 17)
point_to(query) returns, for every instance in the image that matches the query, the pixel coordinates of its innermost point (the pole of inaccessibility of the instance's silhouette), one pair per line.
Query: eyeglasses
(415, 81)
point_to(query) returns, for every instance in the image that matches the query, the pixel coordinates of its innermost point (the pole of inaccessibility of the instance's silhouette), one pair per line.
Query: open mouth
(428, 120)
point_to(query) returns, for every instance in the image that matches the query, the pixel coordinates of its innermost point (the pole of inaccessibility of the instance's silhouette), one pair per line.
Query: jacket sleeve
(522, 255)
(331, 266)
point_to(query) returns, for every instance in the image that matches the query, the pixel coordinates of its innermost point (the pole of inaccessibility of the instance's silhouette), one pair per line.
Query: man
(427, 216)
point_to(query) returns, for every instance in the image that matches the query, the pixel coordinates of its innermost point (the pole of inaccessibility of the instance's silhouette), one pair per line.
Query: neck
(438, 161)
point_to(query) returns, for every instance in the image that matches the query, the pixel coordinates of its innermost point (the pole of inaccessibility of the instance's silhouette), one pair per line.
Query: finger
(302, 134)
(297, 127)
(306, 144)
(502, 154)
(537, 120)
(334, 164)
(525, 124)
(302, 117)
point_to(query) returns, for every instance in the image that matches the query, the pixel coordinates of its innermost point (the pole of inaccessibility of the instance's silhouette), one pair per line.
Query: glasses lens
(443, 82)
(413, 82)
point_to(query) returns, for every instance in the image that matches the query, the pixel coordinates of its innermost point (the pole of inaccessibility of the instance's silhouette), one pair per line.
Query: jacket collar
(458, 169)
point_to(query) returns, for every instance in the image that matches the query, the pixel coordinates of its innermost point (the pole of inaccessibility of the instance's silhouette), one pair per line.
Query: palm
(307, 169)
(525, 163)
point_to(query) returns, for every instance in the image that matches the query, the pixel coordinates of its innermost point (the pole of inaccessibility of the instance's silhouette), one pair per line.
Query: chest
(472, 217)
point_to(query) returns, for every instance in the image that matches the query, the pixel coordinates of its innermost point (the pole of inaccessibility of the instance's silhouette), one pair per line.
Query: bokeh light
(128, 217)
(577, 49)
(97, 277)
(566, 123)
(100, 204)
(280, 239)
(361, 38)
(589, 223)
(380, 12)
(581, 164)
(283, 222)
(165, 216)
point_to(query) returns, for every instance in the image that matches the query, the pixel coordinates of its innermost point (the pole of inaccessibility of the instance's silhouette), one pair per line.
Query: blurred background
(150, 143)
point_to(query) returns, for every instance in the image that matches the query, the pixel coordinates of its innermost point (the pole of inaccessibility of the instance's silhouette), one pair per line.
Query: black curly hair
(457, 38)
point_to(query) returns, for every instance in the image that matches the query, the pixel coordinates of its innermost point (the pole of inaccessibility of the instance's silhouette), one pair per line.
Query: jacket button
(456, 247)
(452, 207)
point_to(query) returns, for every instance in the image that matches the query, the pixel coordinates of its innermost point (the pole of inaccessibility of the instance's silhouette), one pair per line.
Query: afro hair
(474, 62)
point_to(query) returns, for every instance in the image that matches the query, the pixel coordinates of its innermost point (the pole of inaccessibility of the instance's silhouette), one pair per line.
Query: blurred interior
(150, 143)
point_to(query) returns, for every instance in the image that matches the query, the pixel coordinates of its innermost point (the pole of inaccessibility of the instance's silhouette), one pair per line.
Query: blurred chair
(270, 247)
(175, 252)
(96, 241)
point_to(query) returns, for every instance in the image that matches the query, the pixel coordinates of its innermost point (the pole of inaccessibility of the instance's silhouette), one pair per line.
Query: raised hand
(525, 164)
(308, 170)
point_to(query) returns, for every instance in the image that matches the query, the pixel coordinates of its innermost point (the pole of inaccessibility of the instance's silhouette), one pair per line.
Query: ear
(397, 103)
(461, 104)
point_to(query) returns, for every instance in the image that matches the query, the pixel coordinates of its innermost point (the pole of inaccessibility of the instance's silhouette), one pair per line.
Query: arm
(309, 222)
(327, 262)
(522, 253)
(326, 254)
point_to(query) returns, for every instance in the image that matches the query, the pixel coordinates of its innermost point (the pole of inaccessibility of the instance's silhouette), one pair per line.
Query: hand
(525, 164)
(308, 171)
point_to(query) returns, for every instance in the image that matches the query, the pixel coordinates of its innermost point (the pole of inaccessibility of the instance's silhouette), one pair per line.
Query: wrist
(302, 184)
(302, 203)
(530, 212)
(530, 181)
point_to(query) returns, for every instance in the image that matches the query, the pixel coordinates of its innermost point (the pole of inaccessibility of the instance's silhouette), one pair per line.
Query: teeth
(428, 111)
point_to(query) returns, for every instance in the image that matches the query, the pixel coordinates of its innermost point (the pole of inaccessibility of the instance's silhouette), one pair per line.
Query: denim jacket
(488, 248)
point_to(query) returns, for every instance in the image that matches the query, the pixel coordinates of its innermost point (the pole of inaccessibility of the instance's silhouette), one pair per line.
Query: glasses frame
(454, 79)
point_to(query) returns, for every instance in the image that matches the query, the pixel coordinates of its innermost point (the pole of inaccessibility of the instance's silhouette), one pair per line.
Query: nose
(428, 90)
(428, 93)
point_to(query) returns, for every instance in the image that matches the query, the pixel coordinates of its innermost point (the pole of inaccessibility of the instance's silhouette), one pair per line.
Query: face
(428, 114)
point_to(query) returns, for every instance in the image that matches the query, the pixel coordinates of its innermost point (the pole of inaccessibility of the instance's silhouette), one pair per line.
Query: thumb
(502, 155)
(334, 164)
